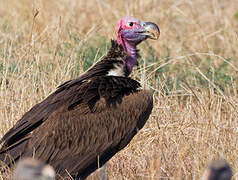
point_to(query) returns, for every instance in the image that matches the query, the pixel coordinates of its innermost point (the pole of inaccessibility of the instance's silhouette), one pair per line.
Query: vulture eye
(131, 24)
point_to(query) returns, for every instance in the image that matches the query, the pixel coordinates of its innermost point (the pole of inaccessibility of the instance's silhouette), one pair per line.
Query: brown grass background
(186, 130)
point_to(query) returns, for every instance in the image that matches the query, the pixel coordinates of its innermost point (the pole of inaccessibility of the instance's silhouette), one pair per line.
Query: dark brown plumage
(86, 121)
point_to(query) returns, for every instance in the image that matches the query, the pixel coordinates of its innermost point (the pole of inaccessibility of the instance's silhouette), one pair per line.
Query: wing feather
(98, 134)
(74, 126)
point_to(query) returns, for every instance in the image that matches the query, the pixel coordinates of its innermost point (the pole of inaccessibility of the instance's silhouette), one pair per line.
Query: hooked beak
(151, 30)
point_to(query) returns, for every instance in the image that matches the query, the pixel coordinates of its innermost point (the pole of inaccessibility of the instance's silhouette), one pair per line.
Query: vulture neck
(131, 59)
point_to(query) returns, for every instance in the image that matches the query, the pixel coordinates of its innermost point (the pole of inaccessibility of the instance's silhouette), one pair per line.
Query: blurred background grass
(192, 69)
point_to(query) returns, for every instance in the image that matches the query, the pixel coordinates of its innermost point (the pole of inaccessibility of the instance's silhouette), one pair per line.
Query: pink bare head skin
(131, 32)
(123, 24)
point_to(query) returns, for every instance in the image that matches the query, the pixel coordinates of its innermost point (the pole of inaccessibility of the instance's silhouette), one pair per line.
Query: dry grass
(190, 124)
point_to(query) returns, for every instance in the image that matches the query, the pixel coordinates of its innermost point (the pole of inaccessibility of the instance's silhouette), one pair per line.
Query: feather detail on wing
(80, 95)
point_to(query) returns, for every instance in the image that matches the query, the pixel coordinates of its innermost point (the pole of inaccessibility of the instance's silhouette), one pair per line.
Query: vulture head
(131, 32)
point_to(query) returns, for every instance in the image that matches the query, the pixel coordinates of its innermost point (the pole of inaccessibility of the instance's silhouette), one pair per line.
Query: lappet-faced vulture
(87, 120)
